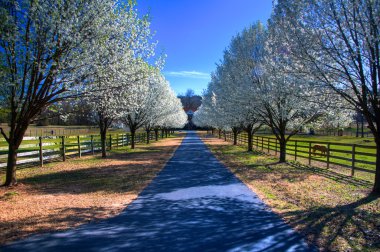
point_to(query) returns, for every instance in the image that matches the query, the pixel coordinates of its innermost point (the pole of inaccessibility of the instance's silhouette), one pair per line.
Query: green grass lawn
(340, 154)
(336, 139)
(29, 149)
(60, 130)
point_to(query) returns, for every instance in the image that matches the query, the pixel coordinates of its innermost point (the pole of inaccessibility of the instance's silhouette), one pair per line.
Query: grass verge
(67, 194)
(333, 211)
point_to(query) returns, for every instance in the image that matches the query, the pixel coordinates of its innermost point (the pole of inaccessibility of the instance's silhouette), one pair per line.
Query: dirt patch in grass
(67, 194)
(332, 210)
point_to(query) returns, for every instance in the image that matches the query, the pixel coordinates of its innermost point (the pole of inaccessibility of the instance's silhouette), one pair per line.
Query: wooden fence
(352, 156)
(38, 150)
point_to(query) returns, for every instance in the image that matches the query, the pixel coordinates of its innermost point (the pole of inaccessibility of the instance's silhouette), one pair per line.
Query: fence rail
(57, 148)
(352, 156)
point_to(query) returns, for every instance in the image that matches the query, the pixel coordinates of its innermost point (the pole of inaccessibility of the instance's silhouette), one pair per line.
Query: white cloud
(189, 74)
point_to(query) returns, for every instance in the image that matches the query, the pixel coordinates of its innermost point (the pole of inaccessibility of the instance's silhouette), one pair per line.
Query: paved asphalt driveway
(194, 204)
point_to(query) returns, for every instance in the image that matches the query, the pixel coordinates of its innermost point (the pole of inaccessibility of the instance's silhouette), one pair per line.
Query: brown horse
(321, 148)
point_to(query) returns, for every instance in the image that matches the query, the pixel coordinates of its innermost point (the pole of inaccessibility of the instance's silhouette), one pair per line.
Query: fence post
(122, 140)
(63, 149)
(268, 144)
(309, 153)
(110, 142)
(328, 155)
(353, 160)
(79, 150)
(92, 144)
(117, 141)
(41, 152)
(262, 143)
(295, 150)
(276, 144)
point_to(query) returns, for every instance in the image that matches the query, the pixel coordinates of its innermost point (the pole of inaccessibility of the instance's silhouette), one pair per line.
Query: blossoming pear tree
(338, 44)
(150, 103)
(256, 84)
(118, 64)
(44, 53)
(243, 70)
(163, 107)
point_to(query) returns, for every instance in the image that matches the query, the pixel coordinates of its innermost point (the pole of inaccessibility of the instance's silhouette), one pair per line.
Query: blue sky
(194, 33)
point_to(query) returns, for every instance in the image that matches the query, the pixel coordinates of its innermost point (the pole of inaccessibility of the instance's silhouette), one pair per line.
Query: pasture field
(347, 155)
(347, 132)
(59, 130)
(39, 150)
(336, 139)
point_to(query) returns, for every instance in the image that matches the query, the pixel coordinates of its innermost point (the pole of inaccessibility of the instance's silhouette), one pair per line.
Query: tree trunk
(357, 128)
(166, 133)
(282, 150)
(225, 136)
(212, 131)
(11, 165)
(103, 127)
(103, 139)
(235, 136)
(362, 127)
(376, 186)
(156, 134)
(250, 140)
(162, 133)
(220, 133)
(133, 134)
(147, 136)
(15, 139)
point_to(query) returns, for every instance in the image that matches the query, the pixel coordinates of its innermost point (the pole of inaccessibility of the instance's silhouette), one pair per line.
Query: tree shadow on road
(206, 221)
(49, 191)
(194, 204)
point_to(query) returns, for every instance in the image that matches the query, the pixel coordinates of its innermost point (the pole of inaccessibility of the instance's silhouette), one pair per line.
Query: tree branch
(4, 135)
